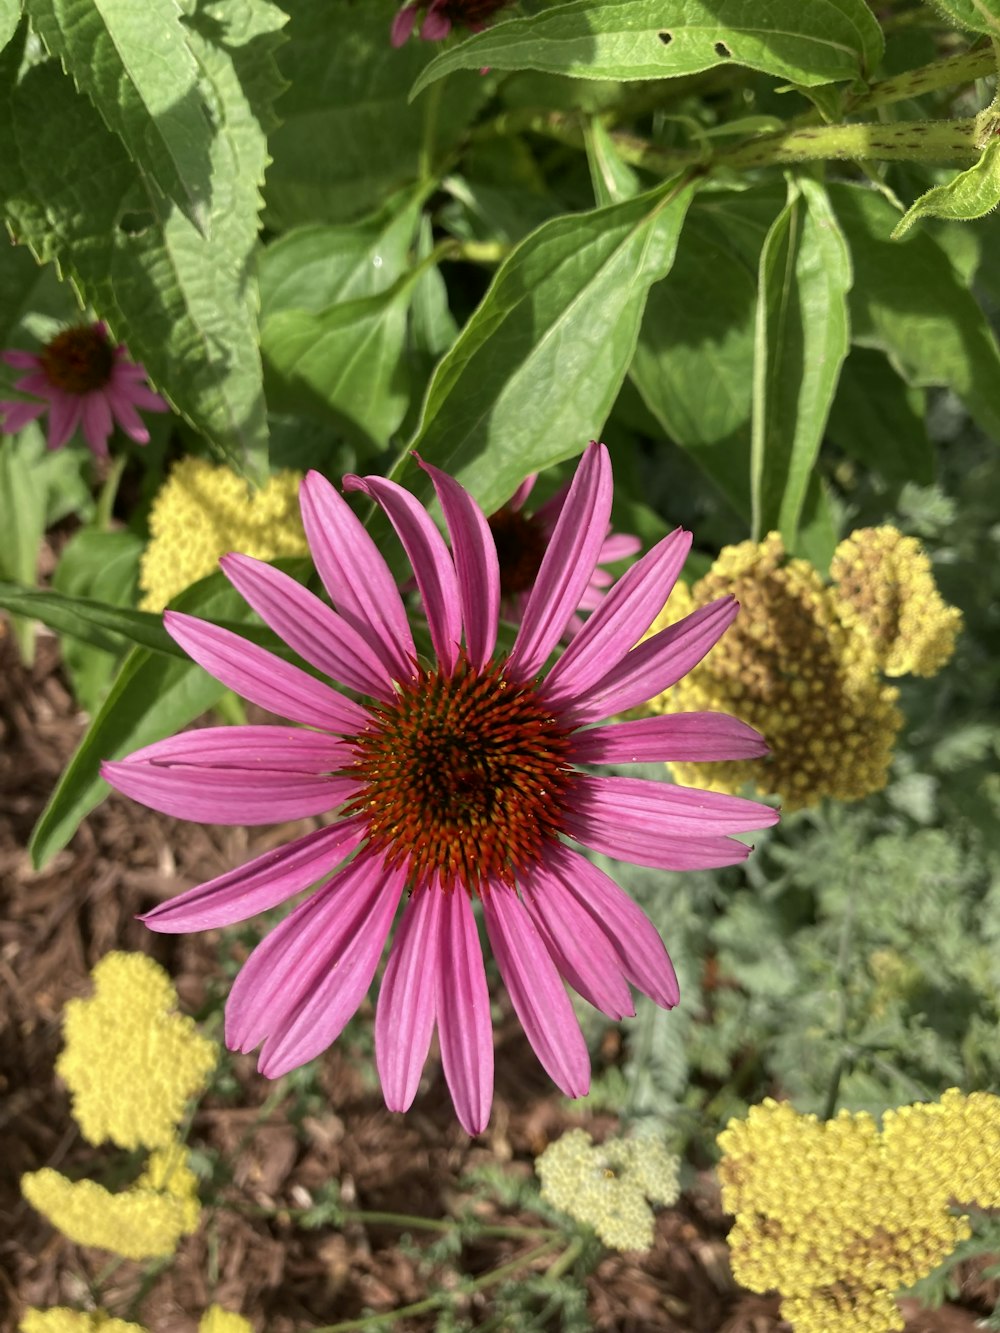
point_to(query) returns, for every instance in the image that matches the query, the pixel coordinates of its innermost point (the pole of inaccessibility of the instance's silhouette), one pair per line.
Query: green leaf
(819, 42)
(802, 340)
(346, 360)
(978, 15)
(348, 137)
(91, 621)
(613, 180)
(33, 302)
(10, 17)
(537, 368)
(183, 302)
(909, 302)
(135, 64)
(153, 696)
(969, 195)
(879, 421)
(22, 523)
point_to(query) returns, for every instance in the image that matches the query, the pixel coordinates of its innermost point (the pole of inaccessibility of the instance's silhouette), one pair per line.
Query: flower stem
(108, 492)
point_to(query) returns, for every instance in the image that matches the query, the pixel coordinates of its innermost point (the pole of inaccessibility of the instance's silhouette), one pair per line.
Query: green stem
(966, 67)
(106, 498)
(405, 1221)
(489, 1279)
(427, 142)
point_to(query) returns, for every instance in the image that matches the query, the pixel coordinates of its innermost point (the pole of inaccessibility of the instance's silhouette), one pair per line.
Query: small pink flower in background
(81, 379)
(441, 16)
(449, 781)
(522, 540)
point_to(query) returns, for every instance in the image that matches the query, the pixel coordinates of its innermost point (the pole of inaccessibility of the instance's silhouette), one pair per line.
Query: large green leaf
(909, 302)
(94, 622)
(817, 42)
(10, 16)
(33, 302)
(537, 368)
(802, 337)
(185, 303)
(879, 421)
(136, 65)
(979, 15)
(348, 137)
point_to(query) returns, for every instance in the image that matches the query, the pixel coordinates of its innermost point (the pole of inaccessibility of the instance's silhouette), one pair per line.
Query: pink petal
(261, 677)
(622, 618)
(435, 26)
(567, 565)
(287, 749)
(303, 982)
(476, 563)
(465, 1028)
(517, 500)
(404, 1019)
(64, 417)
(694, 737)
(355, 575)
(429, 557)
(260, 884)
(97, 423)
(636, 940)
(577, 945)
(402, 24)
(619, 546)
(15, 415)
(22, 360)
(708, 852)
(127, 417)
(211, 795)
(537, 994)
(37, 382)
(656, 663)
(663, 809)
(317, 634)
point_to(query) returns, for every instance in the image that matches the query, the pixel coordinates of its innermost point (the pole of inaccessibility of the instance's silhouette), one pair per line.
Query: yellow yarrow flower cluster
(217, 1320)
(886, 592)
(607, 1187)
(839, 1216)
(143, 1222)
(796, 666)
(201, 513)
(130, 1061)
(61, 1319)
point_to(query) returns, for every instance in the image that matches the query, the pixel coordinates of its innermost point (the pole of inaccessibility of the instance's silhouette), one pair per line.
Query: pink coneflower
(521, 541)
(81, 379)
(453, 780)
(441, 16)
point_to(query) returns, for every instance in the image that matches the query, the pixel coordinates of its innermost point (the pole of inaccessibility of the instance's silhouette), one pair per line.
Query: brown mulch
(54, 926)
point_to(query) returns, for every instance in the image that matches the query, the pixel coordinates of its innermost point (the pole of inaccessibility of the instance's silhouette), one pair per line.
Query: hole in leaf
(134, 224)
(721, 49)
(666, 37)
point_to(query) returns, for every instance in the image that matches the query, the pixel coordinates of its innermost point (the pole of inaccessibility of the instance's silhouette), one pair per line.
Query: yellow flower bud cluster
(60, 1319)
(886, 592)
(838, 1216)
(797, 666)
(202, 512)
(607, 1187)
(131, 1063)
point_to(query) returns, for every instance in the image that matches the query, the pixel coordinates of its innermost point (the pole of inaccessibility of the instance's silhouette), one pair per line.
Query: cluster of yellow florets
(607, 1187)
(886, 591)
(130, 1063)
(798, 666)
(60, 1319)
(838, 1216)
(201, 513)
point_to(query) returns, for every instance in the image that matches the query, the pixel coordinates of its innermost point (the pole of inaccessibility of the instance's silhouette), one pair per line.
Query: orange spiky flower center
(78, 360)
(520, 541)
(465, 777)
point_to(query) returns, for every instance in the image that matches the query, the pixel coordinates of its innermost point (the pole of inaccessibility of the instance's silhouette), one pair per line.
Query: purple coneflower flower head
(449, 781)
(81, 379)
(440, 17)
(522, 540)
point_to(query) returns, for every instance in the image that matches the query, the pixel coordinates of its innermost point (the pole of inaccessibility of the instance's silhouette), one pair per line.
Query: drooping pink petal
(619, 546)
(15, 414)
(656, 663)
(476, 564)
(280, 749)
(211, 795)
(620, 620)
(579, 948)
(317, 633)
(609, 836)
(567, 565)
(14, 356)
(64, 417)
(126, 416)
(404, 1019)
(517, 500)
(140, 395)
(262, 678)
(465, 1029)
(355, 575)
(436, 25)
(307, 977)
(260, 884)
(644, 957)
(37, 382)
(402, 24)
(536, 991)
(700, 737)
(664, 809)
(429, 558)
(96, 420)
